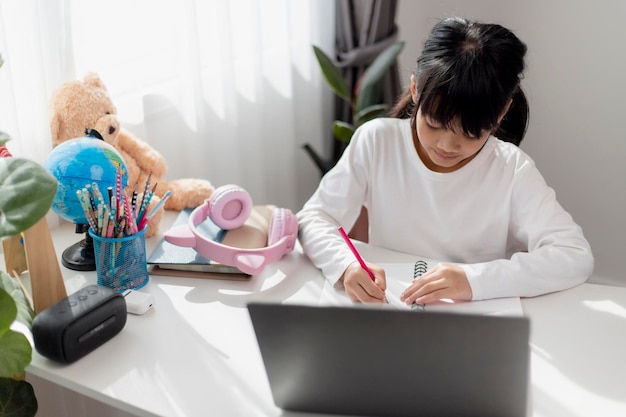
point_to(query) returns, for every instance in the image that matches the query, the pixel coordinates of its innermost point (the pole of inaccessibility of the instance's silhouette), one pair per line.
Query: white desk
(195, 354)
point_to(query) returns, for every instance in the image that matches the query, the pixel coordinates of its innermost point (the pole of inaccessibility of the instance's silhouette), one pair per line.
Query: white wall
(575, 84)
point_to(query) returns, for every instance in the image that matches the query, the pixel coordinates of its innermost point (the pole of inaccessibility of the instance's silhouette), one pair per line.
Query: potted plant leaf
(364, 100)
(26, 194)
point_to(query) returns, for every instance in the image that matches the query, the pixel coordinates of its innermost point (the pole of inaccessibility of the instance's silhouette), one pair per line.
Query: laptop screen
(376, 361)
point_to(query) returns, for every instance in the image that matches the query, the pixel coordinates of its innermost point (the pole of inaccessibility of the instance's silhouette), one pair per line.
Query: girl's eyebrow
(432, 122)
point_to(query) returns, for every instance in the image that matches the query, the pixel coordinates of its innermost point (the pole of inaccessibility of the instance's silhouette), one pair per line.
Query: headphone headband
(282, 235)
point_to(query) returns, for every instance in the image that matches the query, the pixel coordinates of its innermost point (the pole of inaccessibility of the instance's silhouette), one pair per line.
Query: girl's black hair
(466, 74)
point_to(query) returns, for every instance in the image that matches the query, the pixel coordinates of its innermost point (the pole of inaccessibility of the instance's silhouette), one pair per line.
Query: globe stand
(80, 256)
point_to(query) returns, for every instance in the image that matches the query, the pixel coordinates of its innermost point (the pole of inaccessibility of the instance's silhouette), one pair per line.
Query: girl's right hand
(360, 287)
(444, 280)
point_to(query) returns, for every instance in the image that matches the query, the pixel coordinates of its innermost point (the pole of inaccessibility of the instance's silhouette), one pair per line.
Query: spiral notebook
(399, 277)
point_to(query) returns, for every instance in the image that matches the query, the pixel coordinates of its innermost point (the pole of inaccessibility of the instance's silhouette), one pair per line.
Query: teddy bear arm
(186, 192)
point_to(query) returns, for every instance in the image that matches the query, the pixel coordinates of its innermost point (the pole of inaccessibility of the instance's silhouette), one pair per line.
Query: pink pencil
(356, 253)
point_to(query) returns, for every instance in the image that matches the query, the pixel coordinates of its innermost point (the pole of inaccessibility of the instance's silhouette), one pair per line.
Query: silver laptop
(372, 361)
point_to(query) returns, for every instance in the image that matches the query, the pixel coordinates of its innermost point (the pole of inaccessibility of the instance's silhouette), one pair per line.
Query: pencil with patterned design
(145, 192)
(118, 188)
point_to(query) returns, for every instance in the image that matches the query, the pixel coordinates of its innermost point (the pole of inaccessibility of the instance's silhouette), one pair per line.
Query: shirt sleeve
(548, 249)
(336, 202)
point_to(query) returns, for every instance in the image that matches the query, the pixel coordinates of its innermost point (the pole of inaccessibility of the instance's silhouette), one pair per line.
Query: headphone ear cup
(283, 223)
(230, 206)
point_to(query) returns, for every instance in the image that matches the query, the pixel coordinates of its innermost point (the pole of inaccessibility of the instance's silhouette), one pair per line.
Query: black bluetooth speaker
(78, 324)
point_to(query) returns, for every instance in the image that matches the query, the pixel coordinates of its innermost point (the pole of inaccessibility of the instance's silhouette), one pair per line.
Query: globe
(78, 162)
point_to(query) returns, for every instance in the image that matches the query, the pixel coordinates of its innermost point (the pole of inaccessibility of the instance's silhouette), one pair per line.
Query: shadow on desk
(279, 282)
(581, 332)
(206, 357)
(199, 342)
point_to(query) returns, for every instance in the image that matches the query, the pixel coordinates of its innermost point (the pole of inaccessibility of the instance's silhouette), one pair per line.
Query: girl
(444, 179)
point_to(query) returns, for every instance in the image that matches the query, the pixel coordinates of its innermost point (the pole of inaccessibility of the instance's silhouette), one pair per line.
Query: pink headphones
(229, 207)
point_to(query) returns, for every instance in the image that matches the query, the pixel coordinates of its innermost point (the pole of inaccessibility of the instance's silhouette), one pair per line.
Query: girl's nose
(448, 141)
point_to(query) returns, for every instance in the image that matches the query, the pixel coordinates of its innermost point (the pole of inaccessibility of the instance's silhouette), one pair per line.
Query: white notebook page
(399, 277)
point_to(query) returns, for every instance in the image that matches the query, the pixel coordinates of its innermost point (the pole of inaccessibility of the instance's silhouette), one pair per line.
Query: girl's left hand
(442, 281)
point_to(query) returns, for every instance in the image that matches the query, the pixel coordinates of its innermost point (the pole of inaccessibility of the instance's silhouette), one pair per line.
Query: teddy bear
(83, 107)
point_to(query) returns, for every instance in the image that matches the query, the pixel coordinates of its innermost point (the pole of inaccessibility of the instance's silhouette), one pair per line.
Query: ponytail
(404, 106)
(513, 126)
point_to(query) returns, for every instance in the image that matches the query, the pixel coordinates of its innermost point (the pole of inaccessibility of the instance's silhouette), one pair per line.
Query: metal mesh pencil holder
(121, 262)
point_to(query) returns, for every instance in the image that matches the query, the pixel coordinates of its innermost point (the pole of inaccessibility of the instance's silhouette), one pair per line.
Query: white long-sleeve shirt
(496, 215)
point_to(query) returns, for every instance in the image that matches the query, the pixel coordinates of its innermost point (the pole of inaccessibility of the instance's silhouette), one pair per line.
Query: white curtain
(228, 90)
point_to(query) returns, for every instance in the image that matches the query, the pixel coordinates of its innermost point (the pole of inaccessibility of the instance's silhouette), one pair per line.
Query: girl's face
(442, 149)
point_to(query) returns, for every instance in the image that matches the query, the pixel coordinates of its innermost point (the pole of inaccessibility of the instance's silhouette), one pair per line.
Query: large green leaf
(8, 310)
(333, 75)
(25, 313)
(26, 194)
(343, 131)
(15, 347)
(369, 113)
(17, 399)
(16, 354)
(367, 93)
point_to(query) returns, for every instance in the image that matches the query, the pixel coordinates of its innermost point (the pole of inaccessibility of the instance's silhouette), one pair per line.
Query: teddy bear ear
(93, 79)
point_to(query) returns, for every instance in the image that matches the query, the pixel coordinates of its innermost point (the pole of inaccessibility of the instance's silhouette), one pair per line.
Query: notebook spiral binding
(420, 268)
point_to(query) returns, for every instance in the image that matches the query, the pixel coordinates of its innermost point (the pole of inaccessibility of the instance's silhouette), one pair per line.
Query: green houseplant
(363, 100)
(26, 194)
